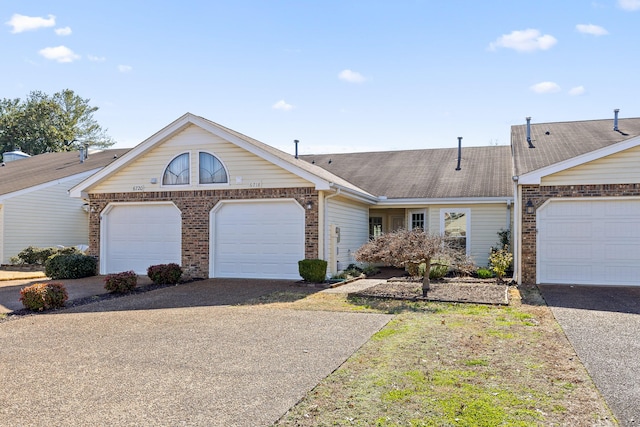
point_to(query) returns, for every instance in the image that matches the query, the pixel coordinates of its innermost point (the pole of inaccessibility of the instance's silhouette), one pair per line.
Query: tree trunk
(425, 279)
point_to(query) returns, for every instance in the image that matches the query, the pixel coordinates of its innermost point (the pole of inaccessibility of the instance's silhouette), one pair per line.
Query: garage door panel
(562, 229)
(136, 236)
(570, 273)
(257, 239)
(565, 251)
(622, 272)
(589, 242)
(622, 253)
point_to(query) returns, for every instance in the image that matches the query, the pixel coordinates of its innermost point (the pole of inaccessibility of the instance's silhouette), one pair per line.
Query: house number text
(138, 188)
(255, 184)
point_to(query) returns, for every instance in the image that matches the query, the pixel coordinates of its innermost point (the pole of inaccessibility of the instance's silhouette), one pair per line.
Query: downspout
(515, 235)
(325, 232)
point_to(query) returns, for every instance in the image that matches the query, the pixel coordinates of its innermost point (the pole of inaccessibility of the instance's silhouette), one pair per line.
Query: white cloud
(59, 53)
(125, 68)
(545, 87)
(22, 23)
(282, 105)
(351, 76)
(594, 30)
(577, 91)
(629, 4)
(524, 41)
(65, 31)
(94, 58)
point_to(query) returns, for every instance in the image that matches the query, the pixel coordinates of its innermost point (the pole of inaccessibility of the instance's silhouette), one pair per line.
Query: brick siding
(195, 207)
(540, 194)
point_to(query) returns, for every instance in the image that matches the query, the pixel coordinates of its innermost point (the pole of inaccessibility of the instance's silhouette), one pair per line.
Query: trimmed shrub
(313, 270)
(165, 274)
(38, 256)
(484, 273)
(71, 266)
(121, 283)
(43, 296)
(438, 271)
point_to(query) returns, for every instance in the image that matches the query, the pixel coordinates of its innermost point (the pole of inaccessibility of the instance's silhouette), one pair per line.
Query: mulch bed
(454, 289)
(16, 314)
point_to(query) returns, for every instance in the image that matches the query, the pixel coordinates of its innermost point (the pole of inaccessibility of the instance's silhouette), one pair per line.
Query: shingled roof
(25, 173)
(556, 142)
(430, 173)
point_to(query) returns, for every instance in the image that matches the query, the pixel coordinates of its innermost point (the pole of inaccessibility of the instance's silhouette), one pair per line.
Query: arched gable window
(177, 173)
(211, 170)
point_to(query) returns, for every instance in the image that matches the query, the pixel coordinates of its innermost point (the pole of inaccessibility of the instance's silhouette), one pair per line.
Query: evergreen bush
(484, 273)
(70, 266)
(313, 270)
(38, 256)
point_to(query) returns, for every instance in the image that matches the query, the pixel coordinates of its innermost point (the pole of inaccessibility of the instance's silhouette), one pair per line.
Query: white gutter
(353, 194)
(442, 201)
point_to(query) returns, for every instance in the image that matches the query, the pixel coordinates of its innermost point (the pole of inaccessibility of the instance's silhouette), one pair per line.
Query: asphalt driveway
(603, 325)
(181, 355)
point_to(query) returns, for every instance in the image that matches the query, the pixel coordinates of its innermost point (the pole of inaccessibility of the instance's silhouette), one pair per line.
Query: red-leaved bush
(121, 283)
(165, 274)
(43, 296)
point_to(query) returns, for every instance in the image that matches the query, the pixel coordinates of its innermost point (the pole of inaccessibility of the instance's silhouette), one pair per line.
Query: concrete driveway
(181, 355)
(603, 325)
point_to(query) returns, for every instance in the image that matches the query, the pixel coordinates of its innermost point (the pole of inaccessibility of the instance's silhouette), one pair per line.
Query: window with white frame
(178, 171)
(418, 219)
(375, 226)
(211, 170)
(454, 226)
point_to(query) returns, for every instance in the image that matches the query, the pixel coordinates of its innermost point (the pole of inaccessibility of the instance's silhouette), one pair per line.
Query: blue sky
(339, 75)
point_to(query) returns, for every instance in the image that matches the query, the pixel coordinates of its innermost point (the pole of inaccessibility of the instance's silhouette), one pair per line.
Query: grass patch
(476, 362)
(447, 364)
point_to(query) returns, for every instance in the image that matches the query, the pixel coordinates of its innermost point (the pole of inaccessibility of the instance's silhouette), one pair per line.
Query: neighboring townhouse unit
(35, 207)
(577, 186)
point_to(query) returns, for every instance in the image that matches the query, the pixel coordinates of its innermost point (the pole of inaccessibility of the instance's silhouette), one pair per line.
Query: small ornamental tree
(500, 261)
(405, 249)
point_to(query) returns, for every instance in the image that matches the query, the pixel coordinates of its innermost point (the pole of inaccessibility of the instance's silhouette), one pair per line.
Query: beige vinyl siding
(619, 168)
(486, 221)
(245, 170)
(44, 217)
(353, 220)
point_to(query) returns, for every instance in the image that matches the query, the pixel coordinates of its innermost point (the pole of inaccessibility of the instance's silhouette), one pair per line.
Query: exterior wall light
(529, 208)
(309, 205)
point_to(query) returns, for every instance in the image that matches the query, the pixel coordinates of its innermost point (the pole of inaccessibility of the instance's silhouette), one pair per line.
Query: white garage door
(135, 236)
(593, 242)
(257, 239)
